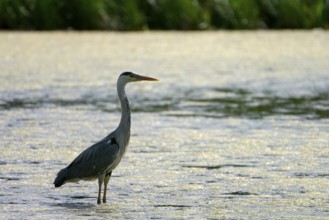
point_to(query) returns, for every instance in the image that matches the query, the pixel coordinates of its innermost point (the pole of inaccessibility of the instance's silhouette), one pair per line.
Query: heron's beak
(146, 78)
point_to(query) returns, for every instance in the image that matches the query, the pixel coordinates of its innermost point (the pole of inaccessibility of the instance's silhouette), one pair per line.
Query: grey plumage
(90, 163)
(101, 158)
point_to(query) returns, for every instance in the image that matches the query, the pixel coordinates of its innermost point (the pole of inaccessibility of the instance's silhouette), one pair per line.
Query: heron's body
(98, 161)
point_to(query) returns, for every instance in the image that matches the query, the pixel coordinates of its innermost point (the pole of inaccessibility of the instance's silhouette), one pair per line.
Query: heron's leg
(100, 182)
(106, 181)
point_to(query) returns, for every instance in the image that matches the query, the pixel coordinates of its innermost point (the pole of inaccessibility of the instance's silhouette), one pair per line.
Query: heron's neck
(124, 125)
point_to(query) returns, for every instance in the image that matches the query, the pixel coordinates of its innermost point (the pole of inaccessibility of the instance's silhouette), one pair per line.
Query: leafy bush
(163, 14)
(235, 14)
(294, 13)
(172, 14)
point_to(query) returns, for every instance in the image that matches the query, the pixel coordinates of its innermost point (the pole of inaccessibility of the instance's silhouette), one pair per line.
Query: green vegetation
(163, 14)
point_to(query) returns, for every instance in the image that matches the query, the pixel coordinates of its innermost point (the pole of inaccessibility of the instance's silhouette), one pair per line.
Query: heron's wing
(94, 160)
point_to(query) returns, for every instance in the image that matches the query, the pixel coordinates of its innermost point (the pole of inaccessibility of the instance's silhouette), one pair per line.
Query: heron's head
(128, 77)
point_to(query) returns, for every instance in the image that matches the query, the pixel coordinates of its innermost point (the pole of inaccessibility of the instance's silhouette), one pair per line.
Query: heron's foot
(104, 200)
(98, 201)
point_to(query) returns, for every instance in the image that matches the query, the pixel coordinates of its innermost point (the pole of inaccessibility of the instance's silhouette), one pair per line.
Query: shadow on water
(217, 166)
(73, 202)
(30, 103)
(202, 102)
(78, 206)
(173, 206)
(240, 193)
(228, 102)
(75, 205)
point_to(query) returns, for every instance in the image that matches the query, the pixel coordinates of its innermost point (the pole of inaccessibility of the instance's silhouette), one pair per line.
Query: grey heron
(100, 159)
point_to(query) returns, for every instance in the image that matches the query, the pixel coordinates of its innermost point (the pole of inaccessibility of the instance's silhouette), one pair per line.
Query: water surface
(237, 127)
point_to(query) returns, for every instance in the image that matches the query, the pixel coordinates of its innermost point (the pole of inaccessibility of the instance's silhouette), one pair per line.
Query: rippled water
(237, 127)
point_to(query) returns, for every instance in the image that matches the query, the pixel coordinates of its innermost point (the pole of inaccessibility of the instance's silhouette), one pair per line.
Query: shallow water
(237, 127)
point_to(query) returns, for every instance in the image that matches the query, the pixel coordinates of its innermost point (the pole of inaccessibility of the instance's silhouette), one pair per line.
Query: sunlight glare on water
(236, 128)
